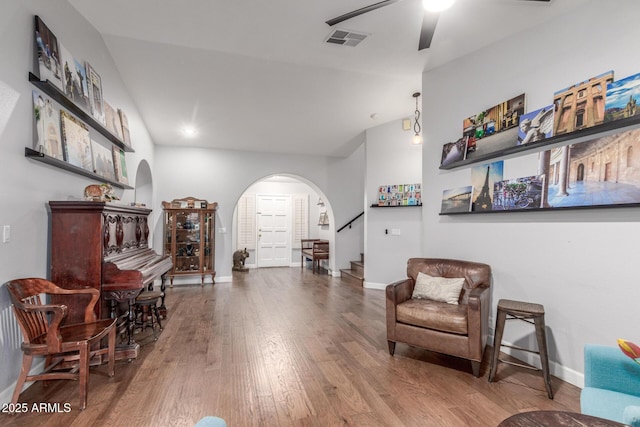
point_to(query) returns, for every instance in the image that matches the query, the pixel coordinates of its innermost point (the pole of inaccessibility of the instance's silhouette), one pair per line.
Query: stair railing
(348, 224)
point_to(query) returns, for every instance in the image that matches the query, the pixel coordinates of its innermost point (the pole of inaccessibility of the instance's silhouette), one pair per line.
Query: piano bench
(146, 308)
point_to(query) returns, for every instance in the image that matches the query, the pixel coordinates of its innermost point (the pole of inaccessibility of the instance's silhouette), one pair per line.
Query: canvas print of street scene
(494, 129)
(519, 193)
(536, 126)
(600, 172)
(483, 178)
(456, 200)
(454, 151)
(622, 98)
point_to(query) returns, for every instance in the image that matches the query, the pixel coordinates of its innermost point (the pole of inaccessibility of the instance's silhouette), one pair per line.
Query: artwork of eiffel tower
(483, 201)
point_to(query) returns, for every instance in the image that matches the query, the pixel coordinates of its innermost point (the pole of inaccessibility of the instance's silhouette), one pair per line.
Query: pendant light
(417, 138)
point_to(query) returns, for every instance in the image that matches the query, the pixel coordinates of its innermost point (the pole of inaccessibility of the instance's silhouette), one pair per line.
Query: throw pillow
(438, 288)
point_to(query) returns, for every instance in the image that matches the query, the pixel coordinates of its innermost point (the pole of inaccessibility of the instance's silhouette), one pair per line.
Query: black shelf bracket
(41, 157)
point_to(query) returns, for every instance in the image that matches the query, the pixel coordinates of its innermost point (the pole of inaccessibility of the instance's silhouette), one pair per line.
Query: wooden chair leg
(83, 374)
(24, 372)
(112, 351)
(392, 347)
(501, 317)
(157, 312)
(475, 368)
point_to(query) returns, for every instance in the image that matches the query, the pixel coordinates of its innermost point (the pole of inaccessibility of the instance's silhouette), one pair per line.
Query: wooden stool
(530, 313)
(147, 307)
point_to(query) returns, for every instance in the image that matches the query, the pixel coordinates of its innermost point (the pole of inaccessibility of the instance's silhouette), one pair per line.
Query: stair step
(357, 267)
(351, 277)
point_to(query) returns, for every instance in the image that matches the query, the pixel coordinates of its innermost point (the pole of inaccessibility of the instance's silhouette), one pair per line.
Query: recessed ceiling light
(189, 131)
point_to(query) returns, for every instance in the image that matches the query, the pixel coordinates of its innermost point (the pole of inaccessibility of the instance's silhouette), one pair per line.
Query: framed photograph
(120, 165)
(603, 171)
(76, 141)
(112, 120)
(519, 193)
(48, 51)
(622, 98)
(94, 85)
(536, 126)
(75, 79)
(47, 137)
(126, 137)
(494, 129)
(456, 200)
(483, 178)
(103, 161)
(570, 114)
(324, 219)
(454, 151)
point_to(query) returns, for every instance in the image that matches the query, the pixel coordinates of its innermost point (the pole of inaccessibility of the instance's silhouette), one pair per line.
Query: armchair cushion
(438, 288)
(611, 385)
(435, 315)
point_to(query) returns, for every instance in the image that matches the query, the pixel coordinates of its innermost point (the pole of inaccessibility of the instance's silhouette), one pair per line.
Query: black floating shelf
(606, 127)
(556, 209)
(50, 89)
(398, 206)
(41, 157)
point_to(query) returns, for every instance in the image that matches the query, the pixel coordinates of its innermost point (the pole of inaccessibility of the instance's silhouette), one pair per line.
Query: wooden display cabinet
(189, 237)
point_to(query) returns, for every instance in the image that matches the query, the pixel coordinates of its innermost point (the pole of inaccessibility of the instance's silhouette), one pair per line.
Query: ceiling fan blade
(360, 11)
(428, 28)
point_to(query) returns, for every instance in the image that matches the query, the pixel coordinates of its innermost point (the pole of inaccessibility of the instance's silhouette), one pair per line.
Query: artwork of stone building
(582, 105)
(601, 171)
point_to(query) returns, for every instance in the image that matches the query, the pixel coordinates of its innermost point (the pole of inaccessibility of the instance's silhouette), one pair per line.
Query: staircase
(354, 275)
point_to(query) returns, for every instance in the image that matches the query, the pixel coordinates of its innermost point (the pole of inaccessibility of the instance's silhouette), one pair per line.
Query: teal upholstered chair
(611, 385)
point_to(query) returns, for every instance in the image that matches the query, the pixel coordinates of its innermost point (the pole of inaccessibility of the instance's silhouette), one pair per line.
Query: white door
(274, 222)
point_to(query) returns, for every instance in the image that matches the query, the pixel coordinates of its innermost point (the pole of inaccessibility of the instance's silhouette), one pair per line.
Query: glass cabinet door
(208, 242)
(187, 241)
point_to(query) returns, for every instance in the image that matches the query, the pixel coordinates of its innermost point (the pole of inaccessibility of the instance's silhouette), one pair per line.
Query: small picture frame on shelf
(102, 161)
(96, 101)
(48, 51)
(124, 122)
(76, 141)
(120, 165)
(47, 127)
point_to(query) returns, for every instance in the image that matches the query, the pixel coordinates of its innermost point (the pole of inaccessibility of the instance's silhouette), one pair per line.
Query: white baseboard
(194, 280)
(374, 285)
(557, 370)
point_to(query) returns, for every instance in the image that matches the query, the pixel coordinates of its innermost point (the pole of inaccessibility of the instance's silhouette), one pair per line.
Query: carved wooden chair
(69, 346)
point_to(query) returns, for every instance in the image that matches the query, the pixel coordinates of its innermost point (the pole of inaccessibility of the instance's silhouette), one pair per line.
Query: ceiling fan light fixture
(437, 5)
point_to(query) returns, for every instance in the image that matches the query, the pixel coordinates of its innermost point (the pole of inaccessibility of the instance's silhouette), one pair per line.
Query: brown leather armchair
(458, 330)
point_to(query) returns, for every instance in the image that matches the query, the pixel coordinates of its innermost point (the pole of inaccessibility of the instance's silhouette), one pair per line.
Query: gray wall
(27, 185)
(578, 264)
(390, 159)
(216, 175)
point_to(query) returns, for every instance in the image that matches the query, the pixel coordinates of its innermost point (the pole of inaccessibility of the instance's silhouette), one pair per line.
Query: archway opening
(272, 216)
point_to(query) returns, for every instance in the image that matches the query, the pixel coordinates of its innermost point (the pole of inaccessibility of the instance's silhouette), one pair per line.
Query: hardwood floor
(283, 347)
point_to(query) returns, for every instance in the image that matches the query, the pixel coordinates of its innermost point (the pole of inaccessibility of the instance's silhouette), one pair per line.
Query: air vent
(346, 38)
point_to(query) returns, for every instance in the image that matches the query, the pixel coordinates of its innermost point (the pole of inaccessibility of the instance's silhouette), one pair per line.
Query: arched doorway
(144, 184)
(580, 176)
(290, 203)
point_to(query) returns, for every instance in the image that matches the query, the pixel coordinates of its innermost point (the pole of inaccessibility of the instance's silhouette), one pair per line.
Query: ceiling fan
(428, 22)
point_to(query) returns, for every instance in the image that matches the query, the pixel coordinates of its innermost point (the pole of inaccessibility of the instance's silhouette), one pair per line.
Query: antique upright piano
(104, 246)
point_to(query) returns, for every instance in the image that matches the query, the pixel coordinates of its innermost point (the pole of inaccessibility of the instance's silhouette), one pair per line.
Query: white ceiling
(257, 75)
